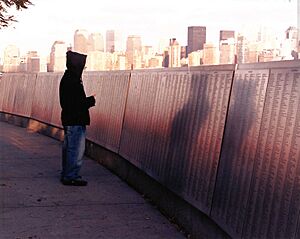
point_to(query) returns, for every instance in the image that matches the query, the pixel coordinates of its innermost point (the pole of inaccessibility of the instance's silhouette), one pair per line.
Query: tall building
(183, 52)
(81, 41)
(95, 42)
(147, 54)
(267, 38)
(11, 59)
(166, 58)
(253, 50)
(269, 55)
(33, 61)
(96, 61)
(241, 49)
(210, 54)
(58, 56)
(227, 51)
(113, 41)
(134, 51)
(225, 35)
(118, 61)
(162, 45)
(110, 41)
(174, 53)
(195, 58)
(22, 64)
(196, 38)
(156, 61)
(291, 34)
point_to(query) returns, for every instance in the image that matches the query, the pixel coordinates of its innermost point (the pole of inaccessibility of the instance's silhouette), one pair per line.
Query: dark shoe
(74, 182)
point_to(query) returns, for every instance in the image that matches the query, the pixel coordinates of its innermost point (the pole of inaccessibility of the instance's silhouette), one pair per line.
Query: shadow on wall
(185, 129)
(238, 154)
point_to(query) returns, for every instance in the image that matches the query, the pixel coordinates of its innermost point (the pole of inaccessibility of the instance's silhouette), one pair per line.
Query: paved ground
(33, 203)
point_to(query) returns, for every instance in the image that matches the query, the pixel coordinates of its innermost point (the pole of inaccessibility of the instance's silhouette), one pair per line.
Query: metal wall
(107, 116)
(16, 93)
(45, 105)
(173, 127)
(224, 138)
(258, 182)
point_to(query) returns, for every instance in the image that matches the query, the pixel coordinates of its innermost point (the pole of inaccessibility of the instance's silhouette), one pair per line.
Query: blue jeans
(72, 151)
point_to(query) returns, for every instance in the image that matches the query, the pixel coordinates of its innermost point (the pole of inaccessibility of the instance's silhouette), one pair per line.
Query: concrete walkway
(33, 203)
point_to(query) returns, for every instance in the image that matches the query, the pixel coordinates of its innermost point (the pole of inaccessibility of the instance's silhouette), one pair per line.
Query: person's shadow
(184, 133)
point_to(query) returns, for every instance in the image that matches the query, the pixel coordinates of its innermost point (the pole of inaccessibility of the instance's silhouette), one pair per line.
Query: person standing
(74, 117)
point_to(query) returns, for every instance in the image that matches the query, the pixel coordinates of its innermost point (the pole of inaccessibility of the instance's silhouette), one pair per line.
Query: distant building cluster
(106, 55)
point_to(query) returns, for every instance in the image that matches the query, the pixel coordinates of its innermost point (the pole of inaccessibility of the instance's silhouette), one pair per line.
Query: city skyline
(42, 24)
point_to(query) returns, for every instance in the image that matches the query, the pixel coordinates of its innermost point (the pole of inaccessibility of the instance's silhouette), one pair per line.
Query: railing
(224, 138)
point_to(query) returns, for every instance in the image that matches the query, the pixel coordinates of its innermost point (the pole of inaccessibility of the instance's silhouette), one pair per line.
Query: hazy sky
(51, 20)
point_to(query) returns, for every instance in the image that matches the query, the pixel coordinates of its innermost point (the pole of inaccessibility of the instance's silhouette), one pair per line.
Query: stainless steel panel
(274, 200)
(56, 110)
(107, 116)
(24, 94)
(173, 128)
(4, 80)
(10, 86)
(43, 98)
(239, 148)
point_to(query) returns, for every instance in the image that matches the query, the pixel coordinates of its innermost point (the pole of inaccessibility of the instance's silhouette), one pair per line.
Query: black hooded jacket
(73, 100)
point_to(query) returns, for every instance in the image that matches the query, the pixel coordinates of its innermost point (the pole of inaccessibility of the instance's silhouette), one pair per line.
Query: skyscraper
(210, 54)
(133, 51)
(81, 41)
(95, 42)
(227, 47)
(33, 61)
(134, 43)
(196, 38)
(227, 51)
(292, 35)
(11, 59)
(174, 53)
(225, 35)
(110, 41)
(113, 41)
(241, 49)
(58, 56)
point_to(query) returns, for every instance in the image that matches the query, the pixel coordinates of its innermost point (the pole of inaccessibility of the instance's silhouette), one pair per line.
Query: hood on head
(75, 62)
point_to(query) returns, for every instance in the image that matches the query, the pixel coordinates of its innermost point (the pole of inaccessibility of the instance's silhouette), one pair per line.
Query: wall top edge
(227, 67)
(175, 69)
(269, 65)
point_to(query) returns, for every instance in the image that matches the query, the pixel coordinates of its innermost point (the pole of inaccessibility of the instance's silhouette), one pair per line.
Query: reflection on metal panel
(17, 93)
(56, 110)
(4, 81)
(24, 94)
(107, 116)
(207, 130)
(239, 148)
(10, 85)
(43, 98)
(173, 128)
(273, 207)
